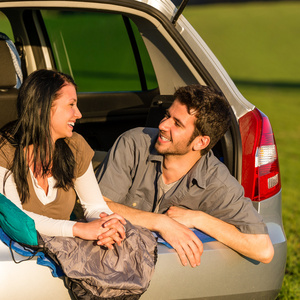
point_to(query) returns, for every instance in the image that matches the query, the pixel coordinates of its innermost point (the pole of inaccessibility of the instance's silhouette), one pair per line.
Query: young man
(168, 180)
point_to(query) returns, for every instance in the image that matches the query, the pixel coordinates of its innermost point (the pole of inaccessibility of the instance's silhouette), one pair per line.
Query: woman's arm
(90, 196)
(95, 207)
(113, 224)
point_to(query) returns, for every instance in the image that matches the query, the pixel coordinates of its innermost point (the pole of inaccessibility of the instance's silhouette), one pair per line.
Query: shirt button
(134, 204)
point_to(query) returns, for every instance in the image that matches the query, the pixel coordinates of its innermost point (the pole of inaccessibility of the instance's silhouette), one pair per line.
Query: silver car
(128, 57)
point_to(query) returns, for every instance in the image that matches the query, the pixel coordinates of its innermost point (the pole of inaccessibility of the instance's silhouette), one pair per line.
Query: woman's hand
(109, 229)
(116, 232)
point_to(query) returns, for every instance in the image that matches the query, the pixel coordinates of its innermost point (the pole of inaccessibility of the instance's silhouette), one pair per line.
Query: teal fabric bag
(16, 224)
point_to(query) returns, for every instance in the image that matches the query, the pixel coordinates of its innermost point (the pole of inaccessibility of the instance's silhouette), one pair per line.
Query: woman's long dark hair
(34, 102)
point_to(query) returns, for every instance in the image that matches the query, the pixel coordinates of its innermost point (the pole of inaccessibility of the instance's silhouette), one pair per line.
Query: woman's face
(64, 113)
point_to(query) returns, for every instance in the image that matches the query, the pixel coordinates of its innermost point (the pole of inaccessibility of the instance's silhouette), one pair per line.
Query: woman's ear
(201, 142)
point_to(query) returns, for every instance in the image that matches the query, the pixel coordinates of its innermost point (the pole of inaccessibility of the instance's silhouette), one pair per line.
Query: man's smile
(163, 138)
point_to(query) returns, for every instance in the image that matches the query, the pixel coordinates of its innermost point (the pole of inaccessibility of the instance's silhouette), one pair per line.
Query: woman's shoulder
(83, 153)
(7, 152)
(76, 140)
(78, 144)
(75, 137)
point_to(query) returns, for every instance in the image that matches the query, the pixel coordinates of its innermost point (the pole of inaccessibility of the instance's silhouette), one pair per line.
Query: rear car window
(5, 26)
(103, 52)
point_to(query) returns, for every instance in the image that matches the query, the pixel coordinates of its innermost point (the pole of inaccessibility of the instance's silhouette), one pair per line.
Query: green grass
(258, 45)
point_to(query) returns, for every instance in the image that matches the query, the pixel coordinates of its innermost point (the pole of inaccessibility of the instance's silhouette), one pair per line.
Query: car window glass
(5, 26)
(147, 64)
(96, 50)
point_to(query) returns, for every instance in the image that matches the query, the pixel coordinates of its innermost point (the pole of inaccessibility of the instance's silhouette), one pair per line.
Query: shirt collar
(197, 173)
(154, 155)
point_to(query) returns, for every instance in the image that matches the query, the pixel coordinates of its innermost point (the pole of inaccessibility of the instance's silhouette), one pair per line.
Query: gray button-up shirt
(131, 170)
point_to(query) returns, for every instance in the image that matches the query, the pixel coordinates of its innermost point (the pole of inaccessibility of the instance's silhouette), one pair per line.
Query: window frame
(138, 55)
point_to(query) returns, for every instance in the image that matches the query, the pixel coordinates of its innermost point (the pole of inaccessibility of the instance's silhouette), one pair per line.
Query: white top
(88, 192)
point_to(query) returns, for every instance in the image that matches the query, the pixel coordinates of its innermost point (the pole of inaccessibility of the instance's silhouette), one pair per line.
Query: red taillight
(260, 172)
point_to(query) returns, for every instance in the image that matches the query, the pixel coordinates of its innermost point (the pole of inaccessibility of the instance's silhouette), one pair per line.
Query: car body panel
(171, 280)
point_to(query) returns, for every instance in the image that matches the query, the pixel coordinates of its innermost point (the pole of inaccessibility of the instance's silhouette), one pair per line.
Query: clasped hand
(106, 230)
(115, 230)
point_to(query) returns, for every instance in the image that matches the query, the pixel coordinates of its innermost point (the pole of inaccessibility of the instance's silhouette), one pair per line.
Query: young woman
(44, 164)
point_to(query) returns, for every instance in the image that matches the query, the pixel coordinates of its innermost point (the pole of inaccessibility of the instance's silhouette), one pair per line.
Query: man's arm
(183, 240)
(255, 246)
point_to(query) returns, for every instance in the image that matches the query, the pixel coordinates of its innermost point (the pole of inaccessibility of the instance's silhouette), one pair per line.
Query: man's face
(175, 131)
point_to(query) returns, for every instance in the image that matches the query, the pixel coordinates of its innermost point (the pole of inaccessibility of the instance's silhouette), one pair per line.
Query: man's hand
(182, 216)
(256, 246)
(183, 240)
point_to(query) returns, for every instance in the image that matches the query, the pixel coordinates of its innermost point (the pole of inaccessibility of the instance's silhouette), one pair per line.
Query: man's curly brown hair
(211, 109)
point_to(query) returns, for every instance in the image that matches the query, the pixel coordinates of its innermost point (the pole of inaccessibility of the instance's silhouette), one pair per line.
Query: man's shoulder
(213, 161)
(217, 171)
(141, 131)
(141, 135)
(210, 169)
